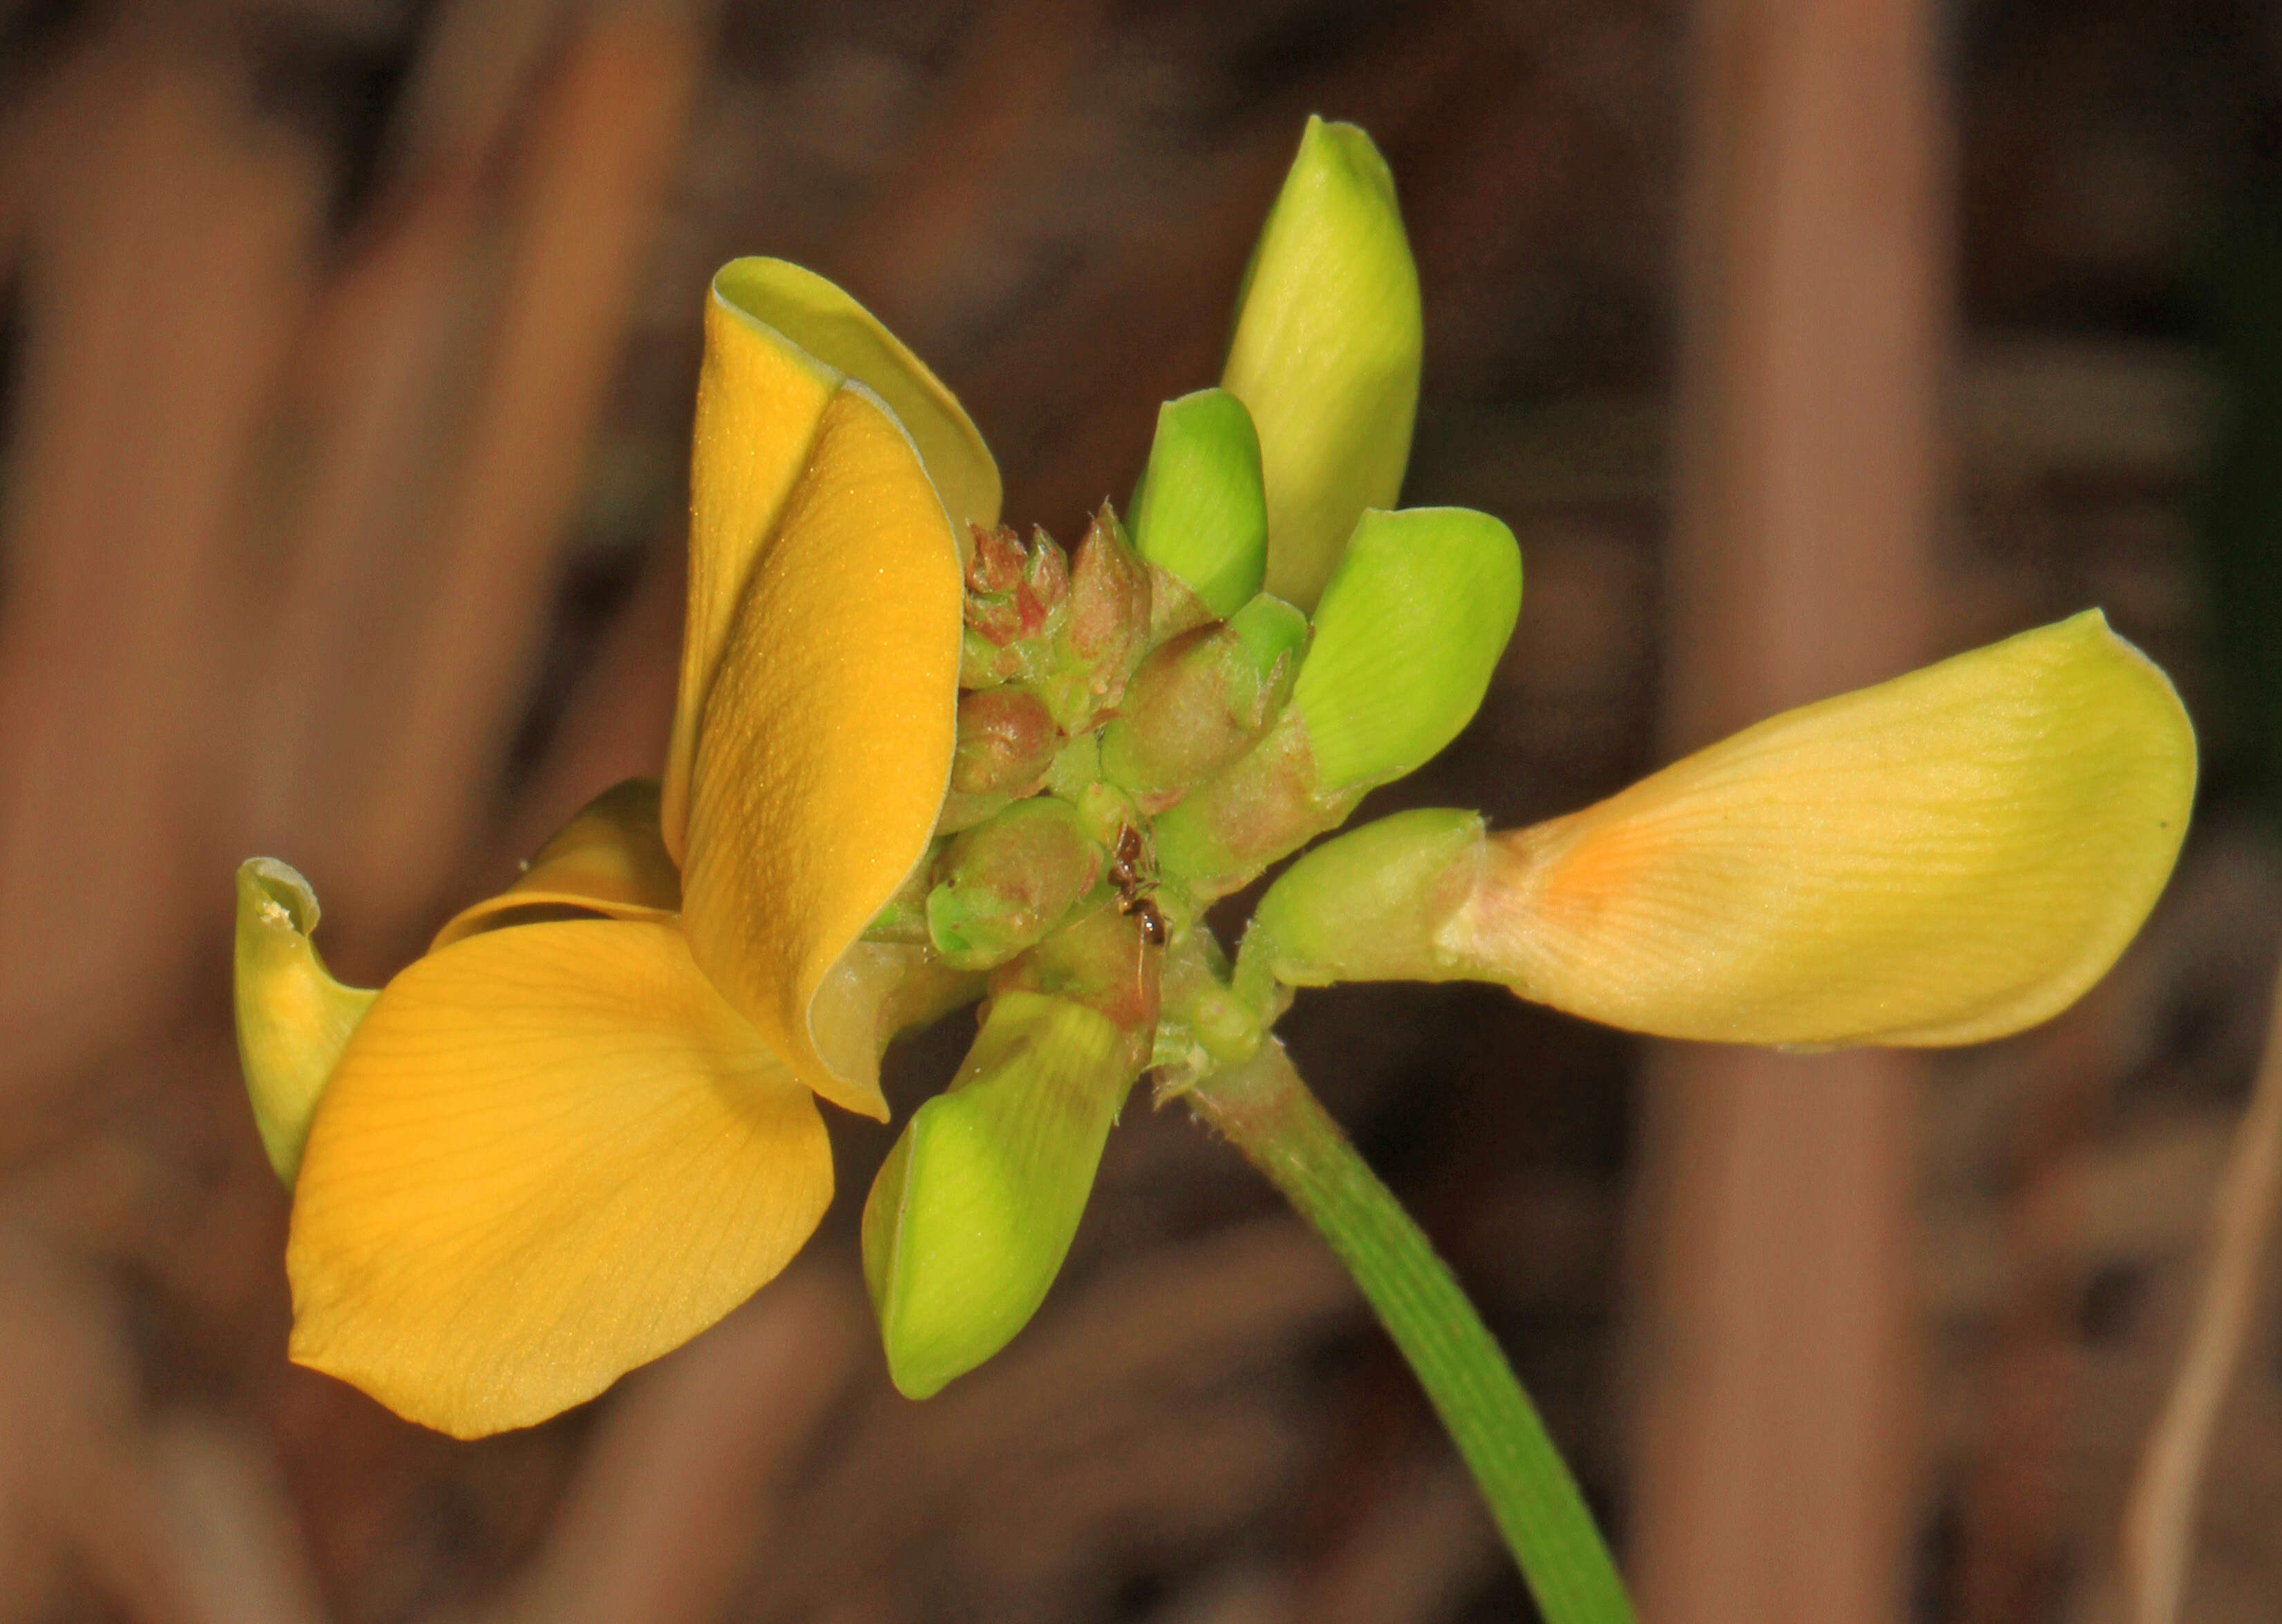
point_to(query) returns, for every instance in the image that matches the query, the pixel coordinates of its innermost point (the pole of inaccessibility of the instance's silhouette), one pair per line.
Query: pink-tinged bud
(1106, 631)
(1016, 599)
(1267, 806)
(1006, 742)
(995, 563)
(1007, 882)
(1201, 701)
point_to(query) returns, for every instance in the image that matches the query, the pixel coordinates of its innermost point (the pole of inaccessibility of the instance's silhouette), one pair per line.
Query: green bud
(970, 1217)
(1326, 353)
(293, 1019)
(1007, 882)
(1200, 513)
(1365, 906)
(1411, 626)
(1106, 631)
(1202, 700)
(1076, 767)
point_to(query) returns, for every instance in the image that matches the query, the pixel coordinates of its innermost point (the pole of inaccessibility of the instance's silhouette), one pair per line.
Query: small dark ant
(1133, 889)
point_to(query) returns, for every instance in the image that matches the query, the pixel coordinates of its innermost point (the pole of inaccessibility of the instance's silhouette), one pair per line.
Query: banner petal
(825, 750)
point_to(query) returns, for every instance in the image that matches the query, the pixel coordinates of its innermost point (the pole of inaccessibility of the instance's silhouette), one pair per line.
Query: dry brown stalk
(2159, 1521)
(592, 188)
(680, 1488)
(167, 266)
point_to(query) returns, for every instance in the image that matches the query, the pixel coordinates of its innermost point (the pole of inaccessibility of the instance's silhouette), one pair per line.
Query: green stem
(1266, 1110)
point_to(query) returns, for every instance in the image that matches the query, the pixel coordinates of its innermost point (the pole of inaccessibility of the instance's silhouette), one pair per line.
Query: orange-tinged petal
(759, 399)
(608, 859)
(548, 1155)
(826, 746)
(1944, 858)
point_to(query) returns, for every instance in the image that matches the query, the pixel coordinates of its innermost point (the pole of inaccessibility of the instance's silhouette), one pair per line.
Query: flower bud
(1106, 631)
(1944, 858)
(1007, 882)
(1410, 627)
(972, 1212)
(1007, 741)
(1201, 700)
(1016, 598)
(1326, 353)
(1201, 514)
(293, 1019)
(1265, 806)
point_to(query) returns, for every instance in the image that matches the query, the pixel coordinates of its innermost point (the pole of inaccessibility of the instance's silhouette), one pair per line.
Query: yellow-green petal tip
(293, 1019)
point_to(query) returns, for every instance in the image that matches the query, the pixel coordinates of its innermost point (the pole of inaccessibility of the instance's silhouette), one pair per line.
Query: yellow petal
(822, 320)
(608, 859)
(549, 1155)
(826, 746)
(293, 1019)
(759, 399)
(1944, 858)
(778, 341)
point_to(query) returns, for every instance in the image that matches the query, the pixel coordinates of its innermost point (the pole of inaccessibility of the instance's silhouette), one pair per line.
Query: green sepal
(1201, 512)
(1410, 631)
(1326, 353)
(293, 1019)
(1006, 882)
(1365, 906)
(973, 1213)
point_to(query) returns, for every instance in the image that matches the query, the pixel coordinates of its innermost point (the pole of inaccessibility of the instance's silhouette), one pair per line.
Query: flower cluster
(919, 762)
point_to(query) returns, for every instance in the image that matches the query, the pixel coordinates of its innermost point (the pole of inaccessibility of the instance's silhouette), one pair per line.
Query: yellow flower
(547, 1153)
(582, 1128)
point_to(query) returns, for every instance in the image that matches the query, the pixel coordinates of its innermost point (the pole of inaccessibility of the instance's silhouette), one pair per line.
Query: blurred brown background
(346, 354)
